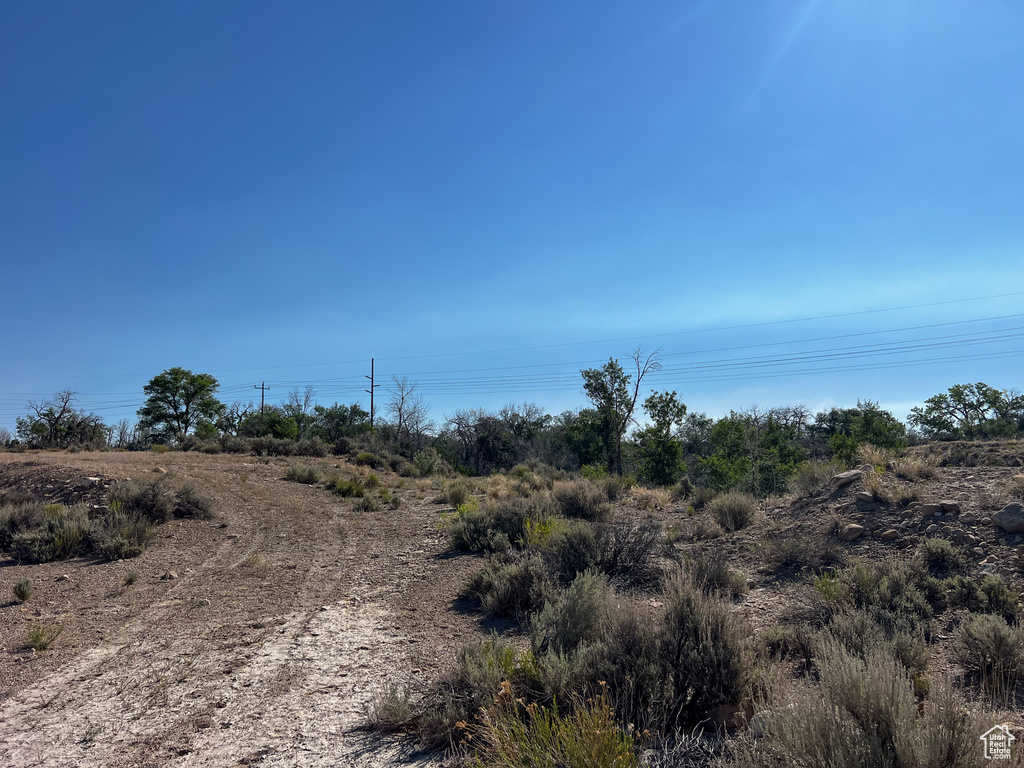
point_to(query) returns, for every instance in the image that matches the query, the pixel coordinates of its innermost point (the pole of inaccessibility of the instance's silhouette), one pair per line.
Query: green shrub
(943, 558)
(63, 534)
(497, 526)
(271, 446)
(347, 488)
(120, 535)
(864, 713)
(23, 590)
(992, 651)
(813, 476)
(458, 494)
(131, 578)
(158, 448)
(311, 446)
(189, 504)
(368, 503)
(41, 636)
(733, 510)
(426, 462)
(574, 549)
(152, 500)
(582, 499)
(573, 617)
(369, 459)
(629, 554)
(18, 516)
(588, 736)
(298, 473)
(510, 588)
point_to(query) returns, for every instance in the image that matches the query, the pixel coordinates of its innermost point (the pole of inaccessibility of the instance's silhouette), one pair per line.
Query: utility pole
(263, 389)
(370, 390)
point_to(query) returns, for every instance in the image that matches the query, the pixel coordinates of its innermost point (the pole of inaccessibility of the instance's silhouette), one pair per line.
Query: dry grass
(649, 499)
(875, 456)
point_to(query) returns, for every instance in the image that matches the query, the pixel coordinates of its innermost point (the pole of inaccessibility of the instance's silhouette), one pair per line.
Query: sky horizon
(812, 202)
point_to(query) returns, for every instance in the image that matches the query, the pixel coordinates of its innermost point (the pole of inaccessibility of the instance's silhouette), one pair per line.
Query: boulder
(929, 510)
(843, 479)
(931, 528)
(968, 518)
(850, 531)
(892, 533)
(1011, 517)
(865, 497)
(950, 506)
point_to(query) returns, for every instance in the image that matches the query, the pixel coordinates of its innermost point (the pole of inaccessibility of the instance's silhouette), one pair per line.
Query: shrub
(812, 476)
(159, 448)
(131, 578)
(152, 500)
(458, 494)
(62, 535)
(120, 535)
(574, 548)
(1015, 487)
(511, 734)
(390, 709)
(342, 446)
(582, 499)
(298, 473)
(23, 590)
(992, 651)
(426, 462)
(41, 636)
(368, 503)
(311, 446)
(497, 526)
(575, 616)
(347, 488)
(17, 516)
(271, 446)
(705, 654)
(369, 459)
(232, 444)
(629, 554)
(733, 510)
(943, 558)
(864, 713)
(798, 551)
(913, 469)
(189, 504)
(511, 588)
(710, 572)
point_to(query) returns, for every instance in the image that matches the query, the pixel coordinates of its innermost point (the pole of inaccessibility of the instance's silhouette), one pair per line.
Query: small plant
(298, 473)
(1015, 487)
(368, 503)
(733, 510)
(131, 578)
(368, 459)
(813, 476)
(943, 558)
(390, 709)
(582, 499)
(41, 636)
(426, 462)
(120, 535)
(458, 494)
(189, 504)
(23, 590)
(159, 448)
(868, 453)
(347, 488)
(992, 651)
(831, 588)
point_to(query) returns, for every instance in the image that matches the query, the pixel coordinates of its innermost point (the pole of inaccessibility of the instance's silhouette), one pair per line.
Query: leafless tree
(407, 410)
(298, 406)
(119, 434)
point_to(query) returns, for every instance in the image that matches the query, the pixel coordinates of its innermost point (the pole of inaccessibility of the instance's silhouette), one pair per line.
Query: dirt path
(284, 615)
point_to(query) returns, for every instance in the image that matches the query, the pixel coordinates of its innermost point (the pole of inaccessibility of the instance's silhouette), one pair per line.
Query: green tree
(614, 394)
(177, 400)
(960, 412)
(661, 454)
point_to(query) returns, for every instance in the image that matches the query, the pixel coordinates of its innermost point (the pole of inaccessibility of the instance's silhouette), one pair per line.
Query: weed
(41, 636)
(131, 578)
(733, 510)
(347, 488)
(368, 503)
(302, 474)
(23, 590)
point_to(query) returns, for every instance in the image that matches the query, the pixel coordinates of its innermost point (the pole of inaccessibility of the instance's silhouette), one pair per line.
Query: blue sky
(472, 192)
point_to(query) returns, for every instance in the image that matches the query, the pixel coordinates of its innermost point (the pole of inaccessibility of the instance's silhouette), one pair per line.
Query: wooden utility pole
(262, 388)
(370, 390)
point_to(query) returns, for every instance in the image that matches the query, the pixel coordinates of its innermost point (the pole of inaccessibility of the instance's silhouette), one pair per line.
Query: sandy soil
(253, 639)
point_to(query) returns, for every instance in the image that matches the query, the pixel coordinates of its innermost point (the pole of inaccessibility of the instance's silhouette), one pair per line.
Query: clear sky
(488, 196)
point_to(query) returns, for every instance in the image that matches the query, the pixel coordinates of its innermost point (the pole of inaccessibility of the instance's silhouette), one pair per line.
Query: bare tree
(407, 410)
(5, 436)
(119, 434)
(298, 406)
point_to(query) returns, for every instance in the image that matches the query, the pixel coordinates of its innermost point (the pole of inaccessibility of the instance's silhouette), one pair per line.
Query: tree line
(657, 439)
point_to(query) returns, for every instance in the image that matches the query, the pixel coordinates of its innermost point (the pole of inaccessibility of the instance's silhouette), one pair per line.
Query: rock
(987, 568)
(168, 576)
(892, 533)
(160, 470)
(89, 482)
(989, 559)
(929, 510)
(866, 468)
(865, 496)
(759, 725)
(968, 518)
(949, 506)
(843, 479)
(978, 551)
(850, 532)
(63, 577)
(1011, 517)
(931, 528)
